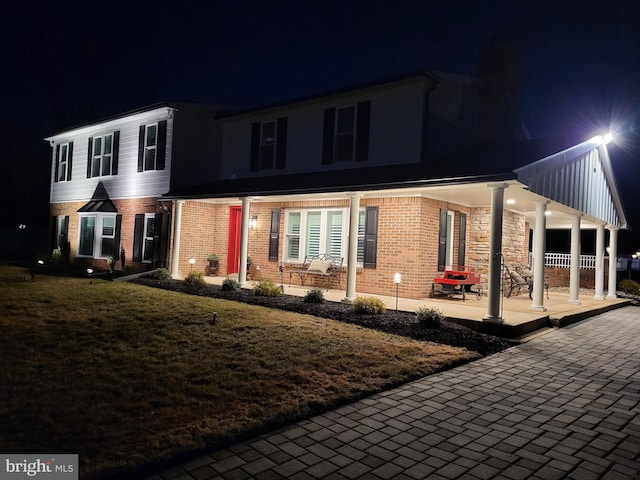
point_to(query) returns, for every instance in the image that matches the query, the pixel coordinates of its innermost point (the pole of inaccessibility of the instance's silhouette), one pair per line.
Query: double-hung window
(152, 146)
(269, 145)
(97, 236)
(316, 231)
(103, 155)
(64, 154)
(147, 245)
(346, 133)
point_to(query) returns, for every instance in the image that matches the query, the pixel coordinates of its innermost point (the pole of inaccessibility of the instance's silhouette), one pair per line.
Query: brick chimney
(500, 101)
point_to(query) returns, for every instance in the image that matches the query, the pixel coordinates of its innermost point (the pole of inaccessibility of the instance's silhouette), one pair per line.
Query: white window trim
(101, 155)
(97, 233)
(324, 211)
(148, 148)
(451, 228)
(60, 161)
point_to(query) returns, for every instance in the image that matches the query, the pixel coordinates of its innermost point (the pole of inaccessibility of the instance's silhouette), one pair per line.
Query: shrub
(266, 288)
(369, 305)
(229, 284)
(195, 279)
(56, 256)
(429, 317)
(314, 295)
(161, 274)
(629, 286)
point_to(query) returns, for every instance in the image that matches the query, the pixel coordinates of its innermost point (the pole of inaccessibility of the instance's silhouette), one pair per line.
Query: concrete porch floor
(518, 320)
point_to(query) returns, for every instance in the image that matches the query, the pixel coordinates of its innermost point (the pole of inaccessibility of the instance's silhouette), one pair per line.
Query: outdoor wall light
(253, 223)
(547, 213)
(511, 201)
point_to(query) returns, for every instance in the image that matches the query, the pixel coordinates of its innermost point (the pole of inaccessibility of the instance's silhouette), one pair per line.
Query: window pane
(293, 235)
(95, 167)
(334, 234)
(294, 223)
(106, 165)
(108, 226)
(97, 145)
(151, 136)
(361, 220)
(344, 147)
(293, 247)
(345, 121)
(106, 246)
(150, 159)
(148, 250)
(267, 154)
(87, 227)
(148, 229)
(268, 133)
(107, 144)
(313, 233)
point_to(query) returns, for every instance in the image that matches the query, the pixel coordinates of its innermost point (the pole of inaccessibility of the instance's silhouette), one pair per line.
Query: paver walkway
(564, 405)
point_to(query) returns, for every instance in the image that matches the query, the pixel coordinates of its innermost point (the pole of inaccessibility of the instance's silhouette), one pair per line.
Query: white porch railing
(563, 260)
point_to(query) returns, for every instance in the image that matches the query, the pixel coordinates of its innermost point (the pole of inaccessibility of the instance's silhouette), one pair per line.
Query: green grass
(128, 376)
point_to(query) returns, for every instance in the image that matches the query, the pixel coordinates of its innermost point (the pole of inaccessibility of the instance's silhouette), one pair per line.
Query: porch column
(539, 250)
(574, 273)
(244, 242)
(352, 252)
(175, 254)
(599, 293)
(495, 253)
(613, 262)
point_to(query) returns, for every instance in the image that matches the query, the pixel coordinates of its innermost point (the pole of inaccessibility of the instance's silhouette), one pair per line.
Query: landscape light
(397, 278)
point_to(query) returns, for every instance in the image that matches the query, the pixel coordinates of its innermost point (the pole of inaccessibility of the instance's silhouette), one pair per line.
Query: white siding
(128, 183)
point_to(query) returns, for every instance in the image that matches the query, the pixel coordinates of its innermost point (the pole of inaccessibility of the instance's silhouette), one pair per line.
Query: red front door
(233, 254)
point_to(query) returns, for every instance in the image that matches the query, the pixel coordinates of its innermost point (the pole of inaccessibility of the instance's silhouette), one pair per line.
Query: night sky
(67, 63)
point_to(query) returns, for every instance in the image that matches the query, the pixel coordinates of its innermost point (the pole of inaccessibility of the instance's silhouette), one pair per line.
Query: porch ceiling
(517, 198)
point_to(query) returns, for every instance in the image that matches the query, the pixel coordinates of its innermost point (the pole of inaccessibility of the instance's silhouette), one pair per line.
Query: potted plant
(214, 263)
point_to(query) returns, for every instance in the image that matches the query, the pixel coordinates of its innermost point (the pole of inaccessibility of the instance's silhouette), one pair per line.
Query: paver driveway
(564, 405)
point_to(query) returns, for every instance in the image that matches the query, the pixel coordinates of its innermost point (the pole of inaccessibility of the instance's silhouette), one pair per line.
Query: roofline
(343, 188)
(372, 83)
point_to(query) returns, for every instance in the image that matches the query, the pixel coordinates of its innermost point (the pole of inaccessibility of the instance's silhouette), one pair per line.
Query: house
(408, 175)
(107, 177)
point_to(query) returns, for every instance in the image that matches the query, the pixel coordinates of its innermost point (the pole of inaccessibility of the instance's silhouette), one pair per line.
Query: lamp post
(192, 261)
(397, 279)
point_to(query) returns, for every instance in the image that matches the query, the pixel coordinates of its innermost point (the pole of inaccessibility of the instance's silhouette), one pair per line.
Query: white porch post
(352, 252)
(495, 253)
(539, 250)
(574, 273)
(175, 254)
(613, 262)
(599, 293)
(244, 242)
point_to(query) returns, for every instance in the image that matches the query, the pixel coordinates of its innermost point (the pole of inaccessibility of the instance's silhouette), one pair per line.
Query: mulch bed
(398, 323)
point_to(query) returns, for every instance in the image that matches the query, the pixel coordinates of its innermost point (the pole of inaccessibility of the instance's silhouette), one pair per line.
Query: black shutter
(89, 157)
(328, 135)
(254, 162)
(161, 149)
(69, 160)
(442, 240)
(57, 163)
(138, 237)
(116, 237)
(274, 235)
(462, 240)
(141, 148)
(114, 153)
(370, 237)
(281, 143)
(362, 131)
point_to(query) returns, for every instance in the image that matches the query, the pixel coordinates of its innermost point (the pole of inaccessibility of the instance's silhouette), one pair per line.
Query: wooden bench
(323, 265)
(519, 278)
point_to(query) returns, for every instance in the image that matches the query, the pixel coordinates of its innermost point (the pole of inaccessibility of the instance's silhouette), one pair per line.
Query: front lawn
(131, 377)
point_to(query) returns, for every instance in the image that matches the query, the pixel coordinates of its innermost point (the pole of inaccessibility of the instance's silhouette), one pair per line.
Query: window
(149, 229)
(152, 146)
(64, 155)
(102, 157)
(269, 144)
(99, 235)
(346, 133)
(313, 232)
(447, 239)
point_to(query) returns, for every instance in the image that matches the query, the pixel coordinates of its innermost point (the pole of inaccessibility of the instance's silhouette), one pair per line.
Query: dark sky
(66, 63)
